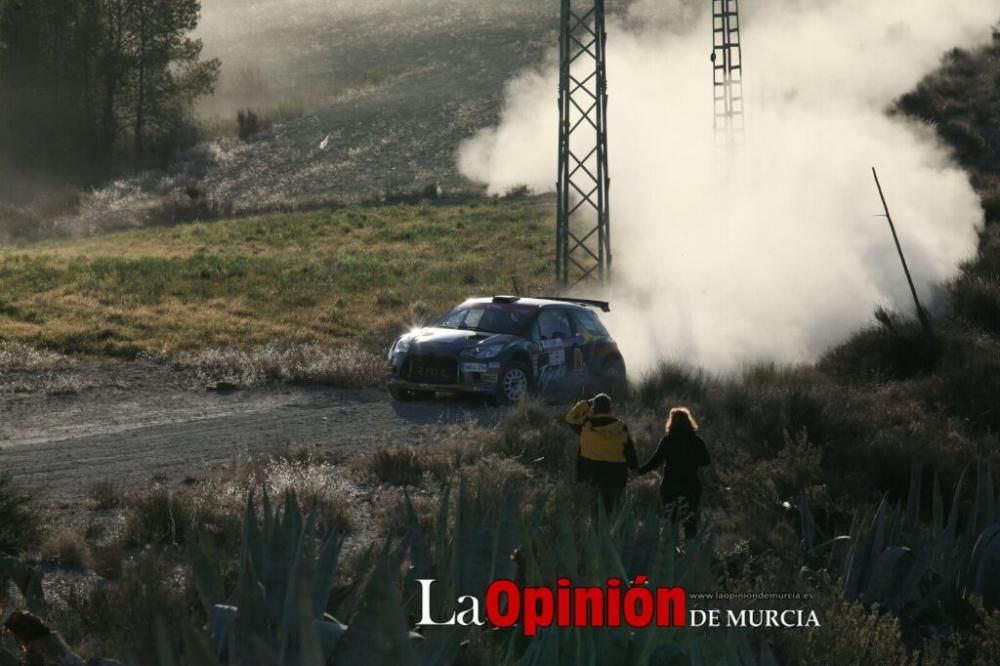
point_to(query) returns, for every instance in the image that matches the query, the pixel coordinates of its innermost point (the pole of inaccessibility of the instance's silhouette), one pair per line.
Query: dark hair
(600, 404)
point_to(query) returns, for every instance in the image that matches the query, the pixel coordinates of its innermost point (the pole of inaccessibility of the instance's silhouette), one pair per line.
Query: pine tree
(90, 86)
(168, 74)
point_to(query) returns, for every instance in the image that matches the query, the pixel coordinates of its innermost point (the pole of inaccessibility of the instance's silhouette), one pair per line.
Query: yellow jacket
(603, 437)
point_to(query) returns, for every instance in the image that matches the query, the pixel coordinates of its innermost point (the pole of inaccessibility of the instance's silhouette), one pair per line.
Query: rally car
(505, 346)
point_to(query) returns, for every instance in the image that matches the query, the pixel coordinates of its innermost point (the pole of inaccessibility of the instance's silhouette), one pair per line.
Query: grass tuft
(106, 494)
(395, 465)
(349, 367)
(20, 525)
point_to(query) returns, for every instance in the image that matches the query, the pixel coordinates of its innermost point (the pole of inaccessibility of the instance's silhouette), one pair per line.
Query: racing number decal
(554, 351)
(555, 336)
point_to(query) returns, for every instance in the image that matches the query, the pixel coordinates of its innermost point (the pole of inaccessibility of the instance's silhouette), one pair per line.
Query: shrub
(14, 355)
(20, 526)
(894, 349)
(349, 367)
(396, 465)
(18, 224)
(849, 634)
(121, 617)
(323, 487)
(671, 382)
(68, 549)
(759, 494)
(517, 192)
(534, 435)
(159, 517)
(106, 494)
(770, 401)
(250, 123)
(976, 300)
(984, 644)
(967, 382)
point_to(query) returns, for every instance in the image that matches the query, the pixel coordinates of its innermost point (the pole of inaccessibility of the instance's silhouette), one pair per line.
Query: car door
(591, 337)
(553, 337)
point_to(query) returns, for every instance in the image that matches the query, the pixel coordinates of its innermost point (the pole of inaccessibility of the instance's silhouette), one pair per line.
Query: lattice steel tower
(727, 71)
(583, 240)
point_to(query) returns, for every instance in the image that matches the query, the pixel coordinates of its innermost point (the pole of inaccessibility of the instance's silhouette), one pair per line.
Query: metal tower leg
(727, 71)
(583, 239)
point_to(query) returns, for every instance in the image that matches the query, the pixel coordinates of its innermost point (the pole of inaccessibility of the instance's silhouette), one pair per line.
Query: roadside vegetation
(898, 577)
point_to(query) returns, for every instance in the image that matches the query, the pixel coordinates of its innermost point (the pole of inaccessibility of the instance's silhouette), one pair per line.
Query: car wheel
(514, 384)
(613, 380)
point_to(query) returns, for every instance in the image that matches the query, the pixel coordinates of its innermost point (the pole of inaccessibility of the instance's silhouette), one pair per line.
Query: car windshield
(488, 317)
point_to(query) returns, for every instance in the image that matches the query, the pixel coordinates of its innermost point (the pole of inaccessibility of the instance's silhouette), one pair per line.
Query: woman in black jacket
(680, 453)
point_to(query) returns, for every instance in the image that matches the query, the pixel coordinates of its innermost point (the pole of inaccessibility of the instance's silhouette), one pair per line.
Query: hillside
(393, 88)
(961, 102)
(350, 276)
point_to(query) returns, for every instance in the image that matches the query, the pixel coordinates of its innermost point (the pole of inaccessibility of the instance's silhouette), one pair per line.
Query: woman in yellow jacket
(607, 452)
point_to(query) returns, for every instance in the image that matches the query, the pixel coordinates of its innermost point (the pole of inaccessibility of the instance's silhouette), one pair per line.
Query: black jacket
(680, 455)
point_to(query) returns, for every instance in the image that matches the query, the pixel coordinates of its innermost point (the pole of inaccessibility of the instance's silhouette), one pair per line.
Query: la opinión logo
(615, 604)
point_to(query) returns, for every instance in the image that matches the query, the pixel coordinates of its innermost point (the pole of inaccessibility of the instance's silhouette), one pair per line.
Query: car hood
(454, 340)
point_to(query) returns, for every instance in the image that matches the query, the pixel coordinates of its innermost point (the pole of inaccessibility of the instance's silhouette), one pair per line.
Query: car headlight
(402, 346)
(487, 351)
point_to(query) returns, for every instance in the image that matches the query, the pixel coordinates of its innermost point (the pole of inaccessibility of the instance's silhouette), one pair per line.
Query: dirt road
(61, 430)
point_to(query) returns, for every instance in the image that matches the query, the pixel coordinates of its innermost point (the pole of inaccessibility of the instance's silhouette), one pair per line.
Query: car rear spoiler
(603, 305)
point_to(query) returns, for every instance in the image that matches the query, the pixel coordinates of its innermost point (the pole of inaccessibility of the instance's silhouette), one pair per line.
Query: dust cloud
(772, 249)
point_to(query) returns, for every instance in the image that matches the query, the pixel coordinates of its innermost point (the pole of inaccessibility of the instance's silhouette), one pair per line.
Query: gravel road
(62, 429)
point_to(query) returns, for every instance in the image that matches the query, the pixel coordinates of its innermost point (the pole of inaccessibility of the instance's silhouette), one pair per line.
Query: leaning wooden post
(925, 321)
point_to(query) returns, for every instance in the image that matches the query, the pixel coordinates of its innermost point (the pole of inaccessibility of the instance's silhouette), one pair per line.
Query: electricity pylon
(727, 71)
(583, 239)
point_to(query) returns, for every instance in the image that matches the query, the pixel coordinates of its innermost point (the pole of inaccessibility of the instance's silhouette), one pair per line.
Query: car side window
(586, 320)
(554, 324)
(474, 318)
(453, 319)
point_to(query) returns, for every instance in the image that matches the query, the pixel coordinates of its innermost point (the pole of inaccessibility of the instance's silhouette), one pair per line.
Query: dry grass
(18, 356)
(395, 465)
(20, 527)
(353, 276)
(535, 435)
(69, 549)
(106, 494)
(347, 366)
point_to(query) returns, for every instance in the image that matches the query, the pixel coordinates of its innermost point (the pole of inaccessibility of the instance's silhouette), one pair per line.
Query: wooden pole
(921, 314)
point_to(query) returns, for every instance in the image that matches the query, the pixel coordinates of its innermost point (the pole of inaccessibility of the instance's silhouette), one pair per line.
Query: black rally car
(505, 346)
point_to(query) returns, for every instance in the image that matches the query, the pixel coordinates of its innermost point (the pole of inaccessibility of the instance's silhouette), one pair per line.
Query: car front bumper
(471, 377)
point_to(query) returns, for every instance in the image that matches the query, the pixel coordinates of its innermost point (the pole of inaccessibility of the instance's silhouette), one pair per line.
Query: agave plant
(279, 612)
(28, 582)
(894, 559)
